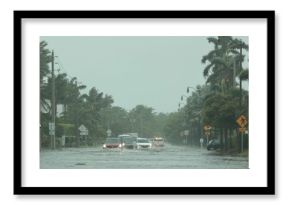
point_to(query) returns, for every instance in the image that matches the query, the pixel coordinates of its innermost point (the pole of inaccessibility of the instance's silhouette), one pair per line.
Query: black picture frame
(19, 189)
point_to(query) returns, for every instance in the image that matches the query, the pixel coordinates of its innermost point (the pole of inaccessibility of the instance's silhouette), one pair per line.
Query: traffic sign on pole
(242, 129)
(242, 121)
(51, 128)
(207, 133)
(109, 132)
(83, 130)
(207, 127)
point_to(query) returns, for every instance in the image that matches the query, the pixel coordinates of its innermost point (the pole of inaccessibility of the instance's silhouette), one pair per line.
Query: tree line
(220, 101)
(94, 110)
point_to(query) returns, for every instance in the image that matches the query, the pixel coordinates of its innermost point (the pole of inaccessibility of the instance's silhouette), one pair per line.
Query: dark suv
(213, 144)
(129, 142)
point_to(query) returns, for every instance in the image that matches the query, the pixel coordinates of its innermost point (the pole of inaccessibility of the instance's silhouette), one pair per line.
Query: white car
(143, 143)
(158, 142)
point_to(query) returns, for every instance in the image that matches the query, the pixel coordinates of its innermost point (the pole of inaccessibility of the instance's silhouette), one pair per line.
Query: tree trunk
(231, 138)
(241, 93)
(221, 137)
(240, 141)
(226, 139)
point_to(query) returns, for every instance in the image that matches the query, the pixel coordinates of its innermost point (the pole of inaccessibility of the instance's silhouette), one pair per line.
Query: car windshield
(113, 141)
(143, 141)
(128, 140)
(124, 136)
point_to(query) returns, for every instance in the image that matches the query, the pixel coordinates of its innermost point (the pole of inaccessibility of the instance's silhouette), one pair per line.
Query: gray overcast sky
(153, 71)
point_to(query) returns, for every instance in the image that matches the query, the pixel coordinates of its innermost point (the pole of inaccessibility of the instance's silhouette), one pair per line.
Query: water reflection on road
(168, 157)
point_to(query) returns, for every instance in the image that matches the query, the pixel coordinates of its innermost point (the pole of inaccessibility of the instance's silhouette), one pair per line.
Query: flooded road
(168, 157)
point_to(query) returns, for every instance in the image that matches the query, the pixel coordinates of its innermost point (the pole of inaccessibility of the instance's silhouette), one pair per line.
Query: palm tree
(224, 64)
(221, 69)
(45, 59)
(243, 76)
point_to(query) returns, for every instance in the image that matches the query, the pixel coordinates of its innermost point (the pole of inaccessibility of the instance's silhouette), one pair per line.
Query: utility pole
(53, 99)
(241, 68)
(141, 126)
(234, 73)
(240, 103)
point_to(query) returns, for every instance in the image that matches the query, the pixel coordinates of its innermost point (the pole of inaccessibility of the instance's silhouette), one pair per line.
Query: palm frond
(207, 69)
(213, 40)
(209, 56)
(244, 74)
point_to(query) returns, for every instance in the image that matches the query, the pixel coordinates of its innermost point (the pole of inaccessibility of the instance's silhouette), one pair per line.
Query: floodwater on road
(167, 157)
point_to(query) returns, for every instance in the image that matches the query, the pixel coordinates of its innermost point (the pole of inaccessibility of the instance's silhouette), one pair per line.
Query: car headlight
(120, 145)
(104, 146)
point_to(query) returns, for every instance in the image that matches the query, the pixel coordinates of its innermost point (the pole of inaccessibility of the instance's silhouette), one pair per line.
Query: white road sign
(82, 128)
(51, 126)
(84, 132)
(109, 132)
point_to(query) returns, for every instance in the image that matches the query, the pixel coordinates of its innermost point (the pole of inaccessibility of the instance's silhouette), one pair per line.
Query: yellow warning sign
(242, 129)
(242, 121)
(207, 127)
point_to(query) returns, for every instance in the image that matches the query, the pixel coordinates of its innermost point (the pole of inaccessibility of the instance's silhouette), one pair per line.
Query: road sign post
(242, 142)
(207, 129)
(242, 122)
(51, 130)
(84, 132)
(109, 133)
(201, 143)
(186, 133)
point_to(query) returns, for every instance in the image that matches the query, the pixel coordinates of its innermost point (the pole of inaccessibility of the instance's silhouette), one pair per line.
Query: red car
(113, 143)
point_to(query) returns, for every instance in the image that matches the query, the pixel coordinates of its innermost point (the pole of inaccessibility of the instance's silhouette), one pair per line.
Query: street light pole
(131, 123)
(53, 100)
(234, 73)
(179, 104)
(197, 89)
(141, 126)
(181, 98)
(187, 90)
(241, 68)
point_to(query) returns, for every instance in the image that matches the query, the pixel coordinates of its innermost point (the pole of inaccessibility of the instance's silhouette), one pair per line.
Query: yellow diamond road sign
(242, 121)
(207, 127)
